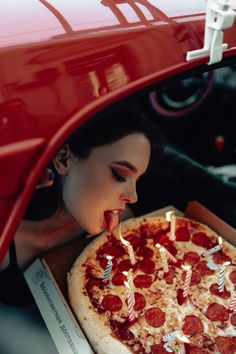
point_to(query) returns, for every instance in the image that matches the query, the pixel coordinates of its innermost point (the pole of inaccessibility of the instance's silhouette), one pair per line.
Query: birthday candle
(182, 337)
(211, 265)
(169, 337)
(163, 255)
(187, 281)
(232, 306)
(131, 302)
(213, 249)
(221, 278)
(168, 254)
(130, 297)
(108, 269)
(129, 278)
(167, 347)
(128, 245)
(170, 216)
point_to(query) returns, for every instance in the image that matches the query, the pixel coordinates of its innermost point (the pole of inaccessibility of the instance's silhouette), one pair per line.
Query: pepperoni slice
(226, 345)
(208, 344)
(214, 289)
(125, 265)
(220, 258)
(232, 276)
(158, 349)
(191, 258)
(142, 281)
(140, 302)
(136, 241)
(171, 249)
(169, 276)
(121, 329)
(182, 234)
(193, 350)
(216, 312)
(118, 278)
(203, 268)
(145, 252)
(155, 317)
(146, 266)
(177, 264)
(201, 239)
(162, 239)
(233, 319)
(192, 325)
(111, 303)
(112, 248)
(116, 251)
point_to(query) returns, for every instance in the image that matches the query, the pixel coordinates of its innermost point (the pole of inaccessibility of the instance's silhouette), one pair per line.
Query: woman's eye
(117, 176)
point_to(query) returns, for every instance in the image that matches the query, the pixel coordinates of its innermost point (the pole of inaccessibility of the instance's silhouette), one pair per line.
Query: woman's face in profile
(97, 188)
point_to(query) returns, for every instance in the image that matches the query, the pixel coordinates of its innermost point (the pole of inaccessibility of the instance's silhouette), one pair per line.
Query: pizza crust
(98, 334)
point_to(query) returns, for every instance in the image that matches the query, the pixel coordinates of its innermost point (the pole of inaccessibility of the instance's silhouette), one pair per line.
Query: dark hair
(101, 130)
(112, 127)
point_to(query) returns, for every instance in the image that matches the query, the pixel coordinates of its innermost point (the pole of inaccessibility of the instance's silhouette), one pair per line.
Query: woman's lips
(111, 219)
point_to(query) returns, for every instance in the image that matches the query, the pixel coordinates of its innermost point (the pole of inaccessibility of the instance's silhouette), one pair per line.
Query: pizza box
(47, 279)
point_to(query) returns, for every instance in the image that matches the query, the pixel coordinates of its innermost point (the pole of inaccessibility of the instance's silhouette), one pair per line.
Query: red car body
(61, 62)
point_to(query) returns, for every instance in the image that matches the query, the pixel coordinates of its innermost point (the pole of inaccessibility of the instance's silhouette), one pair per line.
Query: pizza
(144, 305)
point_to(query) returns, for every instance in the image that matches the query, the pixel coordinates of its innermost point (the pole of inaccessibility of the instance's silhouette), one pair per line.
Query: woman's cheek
(71, 195)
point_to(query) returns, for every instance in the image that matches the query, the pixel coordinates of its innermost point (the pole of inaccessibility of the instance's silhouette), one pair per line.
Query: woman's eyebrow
(126, 164)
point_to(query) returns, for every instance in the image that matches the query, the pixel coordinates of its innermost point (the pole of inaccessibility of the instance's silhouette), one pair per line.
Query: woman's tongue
(110, 220)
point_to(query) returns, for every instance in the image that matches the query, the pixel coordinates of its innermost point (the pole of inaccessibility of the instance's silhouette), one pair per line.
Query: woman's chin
(95, 230)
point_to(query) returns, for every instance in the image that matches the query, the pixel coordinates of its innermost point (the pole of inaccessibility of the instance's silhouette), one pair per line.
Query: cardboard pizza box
(198, 212)
(47, 279)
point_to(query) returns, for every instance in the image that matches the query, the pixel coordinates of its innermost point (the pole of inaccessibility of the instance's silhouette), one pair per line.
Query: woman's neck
(36, 237)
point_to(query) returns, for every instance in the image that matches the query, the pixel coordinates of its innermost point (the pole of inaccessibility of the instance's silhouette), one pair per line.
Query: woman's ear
(62, 160)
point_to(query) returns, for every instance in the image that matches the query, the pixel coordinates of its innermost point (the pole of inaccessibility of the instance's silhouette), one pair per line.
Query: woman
(95, 178)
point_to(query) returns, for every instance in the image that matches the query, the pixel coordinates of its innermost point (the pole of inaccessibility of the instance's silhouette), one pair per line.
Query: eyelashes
(117, 176)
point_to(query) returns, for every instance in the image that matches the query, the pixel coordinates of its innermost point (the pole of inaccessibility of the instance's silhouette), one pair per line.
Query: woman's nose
(130, 195)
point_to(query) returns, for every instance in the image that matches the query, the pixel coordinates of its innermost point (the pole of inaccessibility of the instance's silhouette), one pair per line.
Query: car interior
(195, 111)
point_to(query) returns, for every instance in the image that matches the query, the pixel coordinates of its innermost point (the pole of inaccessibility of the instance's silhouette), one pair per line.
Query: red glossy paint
(61, 62)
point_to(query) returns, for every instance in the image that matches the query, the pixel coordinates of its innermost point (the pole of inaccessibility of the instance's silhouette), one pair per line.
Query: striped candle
(187, 280)
(232, 306)
(169, 337)
(211, 265)
(167, 348)
(129, 276)
(130, 301)
(213, 249)
(221, 277)
(108, 269)
(168, 254)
